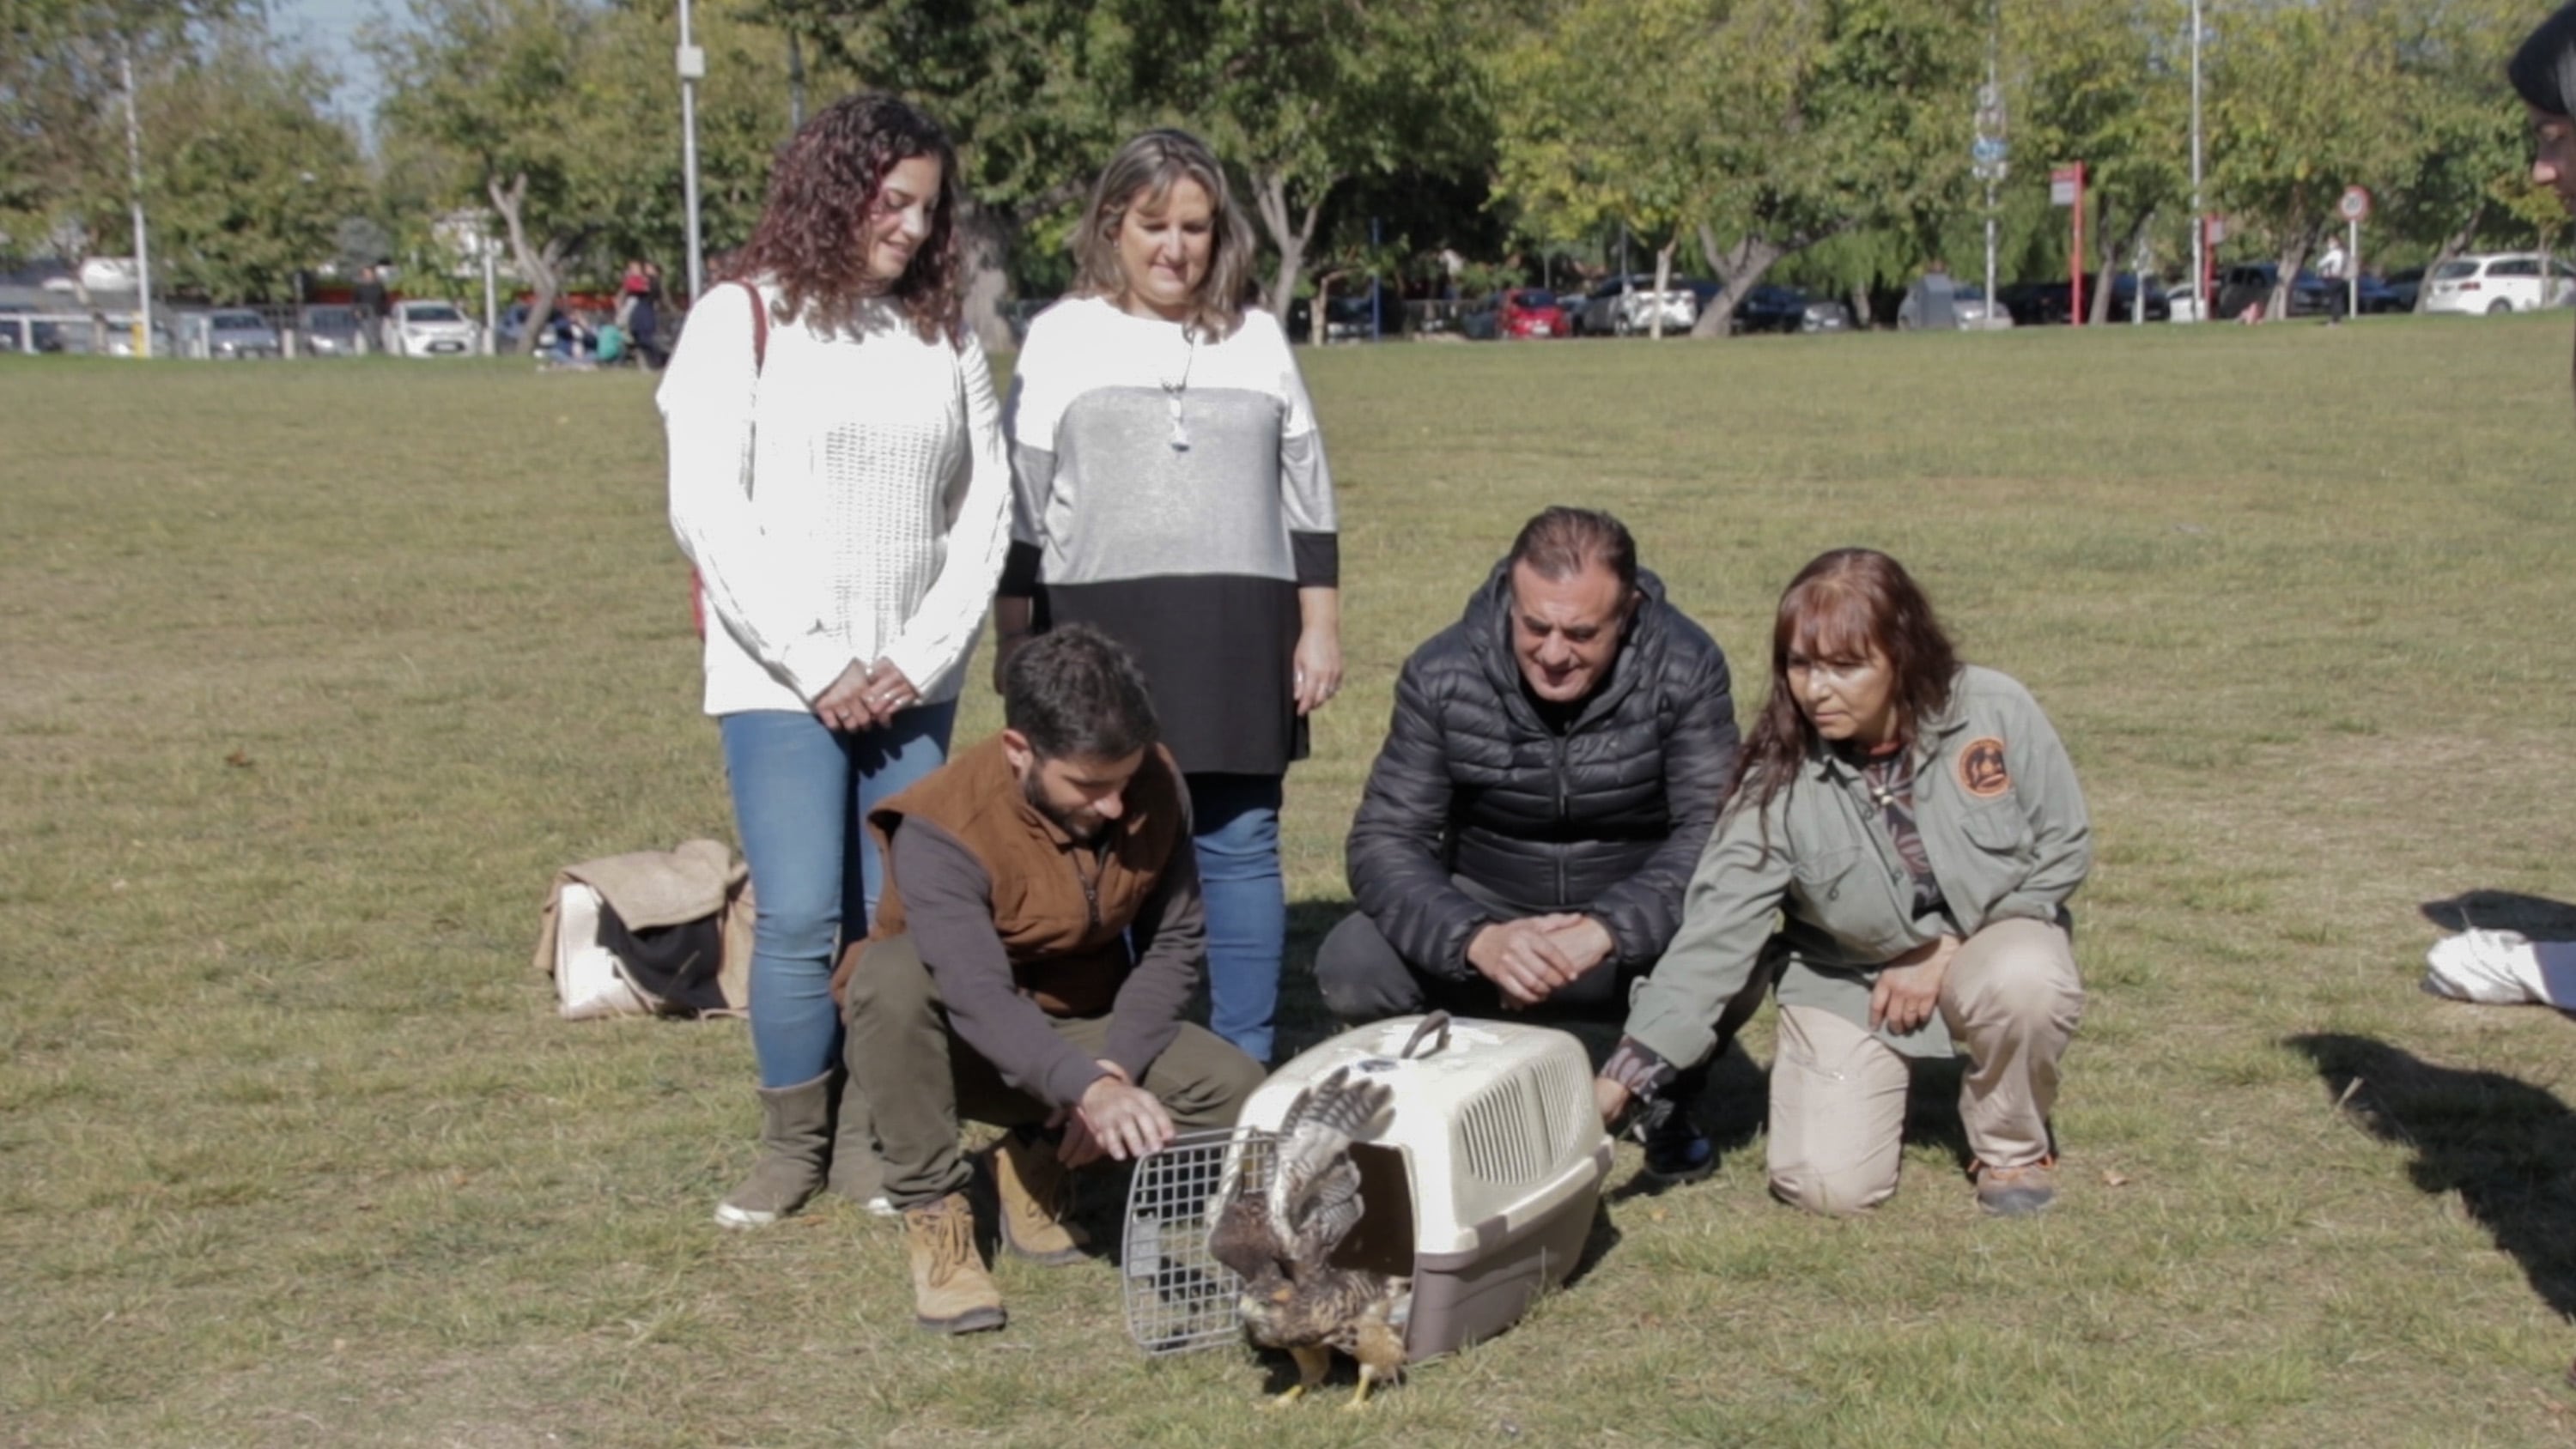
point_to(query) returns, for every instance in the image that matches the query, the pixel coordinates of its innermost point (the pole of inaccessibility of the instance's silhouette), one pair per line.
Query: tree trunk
(537, 266)
(1270, 196)
(1862, 318)
(1663, 284)
(2294, 255)
(2452, 245)
(1316, 333)
(984, 237)
(2107, 261)
(1738, 269)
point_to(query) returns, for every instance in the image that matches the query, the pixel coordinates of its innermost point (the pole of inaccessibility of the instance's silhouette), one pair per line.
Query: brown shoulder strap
(759, 328)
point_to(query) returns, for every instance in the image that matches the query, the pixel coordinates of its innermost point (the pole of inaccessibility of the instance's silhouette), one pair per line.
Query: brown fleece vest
(1062, 907)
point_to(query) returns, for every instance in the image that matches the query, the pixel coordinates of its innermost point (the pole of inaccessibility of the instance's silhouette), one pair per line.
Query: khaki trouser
(922, 1082)
(1838, 1093)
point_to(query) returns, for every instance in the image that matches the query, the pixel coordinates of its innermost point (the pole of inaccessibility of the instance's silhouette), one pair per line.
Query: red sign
(2065, 184)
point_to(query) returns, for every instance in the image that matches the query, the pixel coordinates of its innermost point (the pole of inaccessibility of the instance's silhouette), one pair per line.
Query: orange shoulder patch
(1981, 768)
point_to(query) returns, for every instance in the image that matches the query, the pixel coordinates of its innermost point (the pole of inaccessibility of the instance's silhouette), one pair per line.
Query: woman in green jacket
(1898, 845)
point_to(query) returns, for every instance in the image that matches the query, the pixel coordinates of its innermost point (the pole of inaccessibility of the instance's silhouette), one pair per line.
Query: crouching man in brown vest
(1039, 938)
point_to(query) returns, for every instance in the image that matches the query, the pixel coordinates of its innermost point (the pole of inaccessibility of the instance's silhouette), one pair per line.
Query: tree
(63, 163)
(1034, 91)
(1305, 95)
(2105, 82)
(1765, 126)
(561, 118)
(2309, 99)
(250, 180)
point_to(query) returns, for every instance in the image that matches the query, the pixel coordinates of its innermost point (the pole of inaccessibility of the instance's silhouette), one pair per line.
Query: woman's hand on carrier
(1909, 987)
(1610, 1099)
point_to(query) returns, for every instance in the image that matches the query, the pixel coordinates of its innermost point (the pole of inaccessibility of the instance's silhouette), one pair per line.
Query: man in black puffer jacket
(1548, 782)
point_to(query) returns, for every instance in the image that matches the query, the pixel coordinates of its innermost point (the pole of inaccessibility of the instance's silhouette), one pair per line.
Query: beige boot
(795, 1124)
(1036, 1192)
(857, 1173)
(951, 1292)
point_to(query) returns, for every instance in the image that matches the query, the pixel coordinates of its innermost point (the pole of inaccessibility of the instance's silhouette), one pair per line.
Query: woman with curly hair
(1173, 493)
(838, 478)
(1913, 827)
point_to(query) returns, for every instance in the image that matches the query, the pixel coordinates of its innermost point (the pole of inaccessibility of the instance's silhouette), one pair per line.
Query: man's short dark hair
(1562, 542)
(1076, 693)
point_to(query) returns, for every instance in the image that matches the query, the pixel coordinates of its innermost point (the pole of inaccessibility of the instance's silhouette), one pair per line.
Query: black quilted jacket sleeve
(1397, 854)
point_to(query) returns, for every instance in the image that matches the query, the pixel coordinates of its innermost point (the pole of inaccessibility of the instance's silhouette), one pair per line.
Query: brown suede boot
(857, 1172)
(795, 1124)
(951, 1292)
(1035, 1192)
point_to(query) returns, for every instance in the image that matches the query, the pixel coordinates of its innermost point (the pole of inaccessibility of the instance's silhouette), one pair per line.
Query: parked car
(2052, 303)
(2403, 287)
(330, 331)
(416, 328)
(2246, 283)
(1771, 307)
(1514, 312)
(1626, 306)
(31, 332)
(2499, 282)
(120, 335)
(1967, 306)
(227, 335)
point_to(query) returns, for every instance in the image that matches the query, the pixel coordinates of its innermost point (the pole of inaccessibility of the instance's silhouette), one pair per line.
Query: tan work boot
(1035, 1191)
(951, 1292)
(795, 1123)
(2016, 1192)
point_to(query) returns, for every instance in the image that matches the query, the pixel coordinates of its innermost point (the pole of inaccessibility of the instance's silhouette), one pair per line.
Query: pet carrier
(1480, 1184)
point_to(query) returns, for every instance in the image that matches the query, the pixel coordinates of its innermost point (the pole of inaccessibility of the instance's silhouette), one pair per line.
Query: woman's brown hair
(822, 193)
(1845, 605)
(1148, 167)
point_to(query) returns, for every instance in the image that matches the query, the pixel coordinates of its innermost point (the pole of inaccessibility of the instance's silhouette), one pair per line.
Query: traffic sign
(2065, 185)
(2355, 205)
(1989, 150)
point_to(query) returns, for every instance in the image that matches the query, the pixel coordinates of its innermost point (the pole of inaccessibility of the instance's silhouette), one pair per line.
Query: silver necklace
(1172, 391)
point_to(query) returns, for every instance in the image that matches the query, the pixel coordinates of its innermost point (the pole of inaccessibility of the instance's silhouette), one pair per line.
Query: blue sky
(330, 28)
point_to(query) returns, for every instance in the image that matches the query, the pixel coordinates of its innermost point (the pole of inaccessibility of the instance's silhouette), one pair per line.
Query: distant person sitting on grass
(1040, 938)
(1898, 845)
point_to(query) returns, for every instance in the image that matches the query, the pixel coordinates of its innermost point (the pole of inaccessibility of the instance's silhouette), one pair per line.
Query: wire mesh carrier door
(1178, 1297)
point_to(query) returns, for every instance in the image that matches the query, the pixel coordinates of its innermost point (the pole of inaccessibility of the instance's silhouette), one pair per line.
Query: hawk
(1280, 1242)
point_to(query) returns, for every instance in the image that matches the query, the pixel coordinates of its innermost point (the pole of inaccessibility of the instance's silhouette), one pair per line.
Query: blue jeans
(1236, 819)
(801, 794)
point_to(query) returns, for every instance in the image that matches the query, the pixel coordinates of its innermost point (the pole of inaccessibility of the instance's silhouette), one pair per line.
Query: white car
(1967, 308)
(2499, 282)
(1626, 307)
(430, 329)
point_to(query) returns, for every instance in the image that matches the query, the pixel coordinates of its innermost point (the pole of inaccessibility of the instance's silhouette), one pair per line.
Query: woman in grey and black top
(1172, 491)
(1914, 828)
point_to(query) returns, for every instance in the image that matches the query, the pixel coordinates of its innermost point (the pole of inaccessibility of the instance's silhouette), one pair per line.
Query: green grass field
(311, 674)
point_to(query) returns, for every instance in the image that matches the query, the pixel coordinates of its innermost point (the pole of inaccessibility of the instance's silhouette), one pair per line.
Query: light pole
(134, 173)
(2199, 223)
(693, 68)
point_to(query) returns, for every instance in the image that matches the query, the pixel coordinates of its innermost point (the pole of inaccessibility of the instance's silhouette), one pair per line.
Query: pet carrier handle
(1438, 1022)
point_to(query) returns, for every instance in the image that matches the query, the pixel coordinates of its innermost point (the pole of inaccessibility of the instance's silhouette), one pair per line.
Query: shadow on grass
(2506, 1147)
(2538, 917)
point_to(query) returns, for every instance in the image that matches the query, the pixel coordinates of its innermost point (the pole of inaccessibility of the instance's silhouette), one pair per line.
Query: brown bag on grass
(654, 933)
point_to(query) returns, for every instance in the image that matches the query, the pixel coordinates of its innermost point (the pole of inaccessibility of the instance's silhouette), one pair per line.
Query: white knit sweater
(849, 499)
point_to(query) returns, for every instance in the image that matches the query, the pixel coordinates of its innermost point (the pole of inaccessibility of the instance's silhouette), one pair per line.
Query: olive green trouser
(1838, 1093)
(922, 1081)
